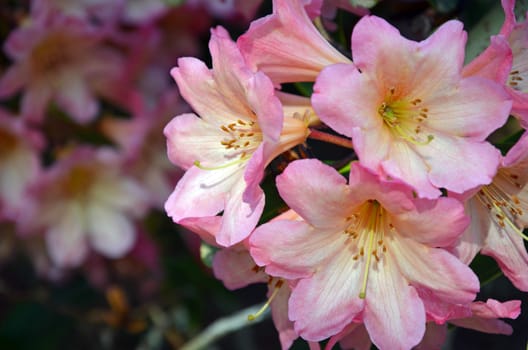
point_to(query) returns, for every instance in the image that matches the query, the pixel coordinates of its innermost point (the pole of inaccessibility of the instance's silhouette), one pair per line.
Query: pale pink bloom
(499, 214)
(366, 252)
(241, 128)
(287, 46)
(60, 59)
(145, 151)
(19, 163)
(85, 201)
(410, 114)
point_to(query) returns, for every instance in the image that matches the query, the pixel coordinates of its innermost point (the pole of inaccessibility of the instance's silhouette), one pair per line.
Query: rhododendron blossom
(85, 201)
(69, 67)
(410, 114)
(19, 163)
(241, 128)
(499, 214)
(365, 252)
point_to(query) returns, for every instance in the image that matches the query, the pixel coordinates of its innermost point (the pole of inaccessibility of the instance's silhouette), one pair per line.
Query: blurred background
(88, 258)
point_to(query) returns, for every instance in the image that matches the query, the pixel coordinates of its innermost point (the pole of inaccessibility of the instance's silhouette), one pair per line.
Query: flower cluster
(383, 257)
(85, 96)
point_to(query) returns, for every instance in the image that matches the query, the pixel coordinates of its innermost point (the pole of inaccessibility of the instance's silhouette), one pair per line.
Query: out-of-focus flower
(103, 11)
(140, 142)
(229, 9)
(60, 59)
(410, 113)
(241, 128)
(19, 163)
(85, 201)
(287, 46)
(499, 214)
(367, 252)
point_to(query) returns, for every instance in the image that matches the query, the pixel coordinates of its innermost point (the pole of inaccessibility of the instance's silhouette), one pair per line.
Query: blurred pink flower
(84, 200)
(366, 252)
(410, 113)
(60, 59)
(144, 149)
(229, 9)
(241, 128)
(104, 11)
(19, 163)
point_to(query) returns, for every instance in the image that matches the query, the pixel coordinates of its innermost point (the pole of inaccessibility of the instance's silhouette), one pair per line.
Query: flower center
(51, 54)
(505, 208)
(516, 81)
(242, 138)
(8, 143)
(366, 231)
(405, 118)
(78, 181)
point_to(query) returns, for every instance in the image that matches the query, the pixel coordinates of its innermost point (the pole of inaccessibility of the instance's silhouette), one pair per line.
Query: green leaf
(207, 253)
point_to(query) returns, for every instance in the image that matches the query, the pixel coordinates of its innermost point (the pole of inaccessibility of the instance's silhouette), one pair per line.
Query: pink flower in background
(19, 163)
(229, 9)
(62, 60)
(287, 46)
(138, 12)
(145, 151)
(409, 112)
(87, 10)
(241, 128)
(366, 252)
(85, 201)
(499, 214)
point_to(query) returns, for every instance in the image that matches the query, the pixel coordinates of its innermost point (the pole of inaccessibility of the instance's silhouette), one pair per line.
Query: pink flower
(85, 201)
(287, 46)
(365, 252)
(409, 112)
(499, 213)
(60, 59)
(140, 142)
(229, 8)
(19, 163)
(241, 128)
(87, 10)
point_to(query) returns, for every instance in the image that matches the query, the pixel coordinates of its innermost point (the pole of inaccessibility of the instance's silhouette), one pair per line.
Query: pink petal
(494, 63)
(191, 139)
(66, 241)
(13, 79)
(35, 102)
(434, 338)
(436, 223)
(111, 233)
(394, 314)
(77, 100)
(508, 249)
(293, 255)
(322, 305)
(479, 167)
(435, 269)
(417, 68)
(279, 313)
(475, 109)
(236, 269)
(485, 316)
(240, 217)
(201, 193)
(300, 191)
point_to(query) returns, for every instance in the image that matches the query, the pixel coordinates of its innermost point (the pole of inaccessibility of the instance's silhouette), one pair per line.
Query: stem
(223, 326)
(334, 139)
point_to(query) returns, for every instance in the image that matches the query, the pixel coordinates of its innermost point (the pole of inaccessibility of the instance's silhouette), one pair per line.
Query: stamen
(264, 307)
(223, 166)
